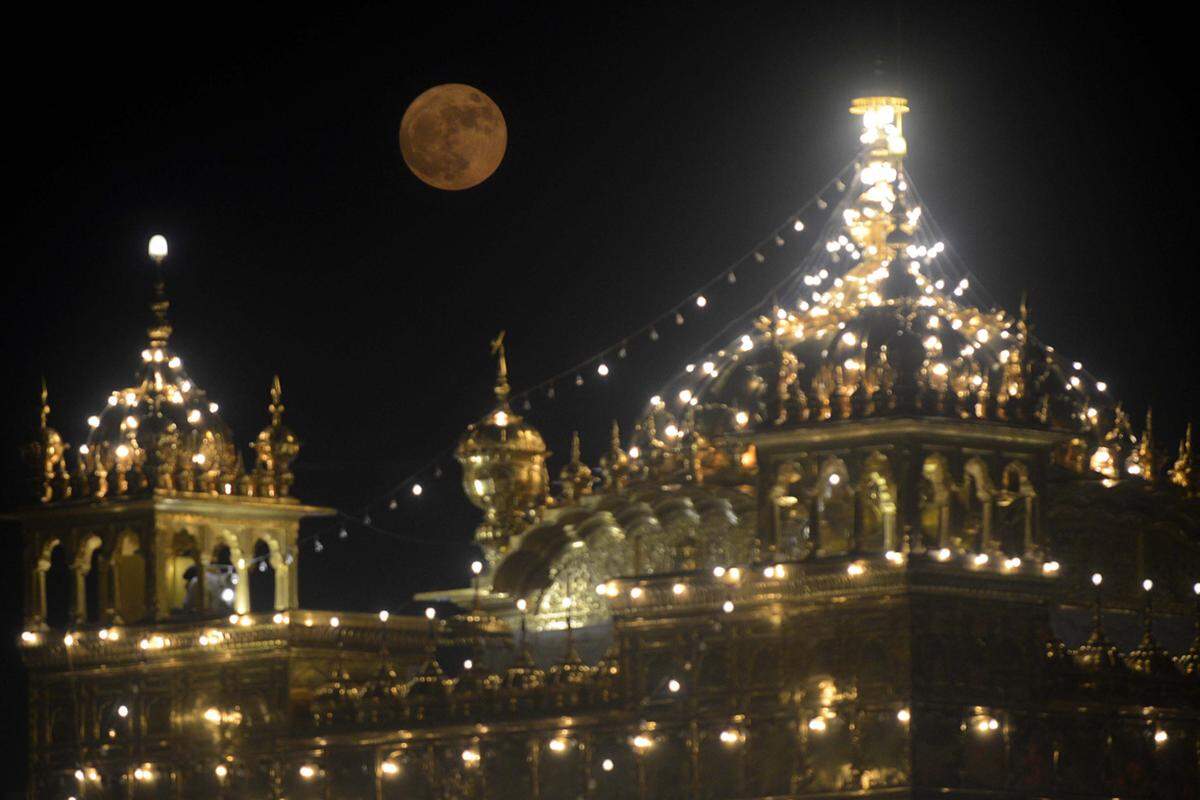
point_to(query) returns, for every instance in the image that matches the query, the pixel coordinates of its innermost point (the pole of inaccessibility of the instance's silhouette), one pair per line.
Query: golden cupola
(879, 322)
(161, 432)
(504, 473)
(575, 478)
(47, 455)
(276, 448)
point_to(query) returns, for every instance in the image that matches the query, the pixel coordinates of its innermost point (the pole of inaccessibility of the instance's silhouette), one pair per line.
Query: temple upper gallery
(884, 542)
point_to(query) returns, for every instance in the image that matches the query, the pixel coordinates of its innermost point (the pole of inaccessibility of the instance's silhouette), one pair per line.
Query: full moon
(453, 136)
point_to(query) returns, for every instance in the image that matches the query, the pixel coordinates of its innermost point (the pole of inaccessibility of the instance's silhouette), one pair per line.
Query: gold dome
(503, 460)
(162, 433)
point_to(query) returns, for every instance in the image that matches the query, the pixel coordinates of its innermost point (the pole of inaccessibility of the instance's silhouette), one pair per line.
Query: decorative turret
(503, 461)
(47, 457)
(1098, 656)
(575, 478)
(1183, 473)
(1143, 461)
(277, 447)
(1149, 658)
(615, 464)
(163, 434)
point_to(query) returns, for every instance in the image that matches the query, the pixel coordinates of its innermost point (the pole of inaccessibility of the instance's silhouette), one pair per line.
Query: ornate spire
(1148, 657)
(277, 447)
(502, 389)
(1143, 460)
(47, 456)
(275, 407)
(1183, 472)
(615, 463)
(160, 329)
(44, 409)
(1097, 654)
(576, 477)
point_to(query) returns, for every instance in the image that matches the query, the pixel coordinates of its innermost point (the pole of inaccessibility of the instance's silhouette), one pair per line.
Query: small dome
(164, 417)
(502, 430)
(163, 433)
(503, 461)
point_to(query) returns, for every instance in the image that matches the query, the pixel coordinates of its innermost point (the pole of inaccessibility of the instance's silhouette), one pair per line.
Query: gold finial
(160, 329)
(576, 478)
(276, 405)
(615, 463)
(501, 367)
(47, 455)
(276, 448)
(1183, 472)
(1146, 455)
(1023, 326)
(883, 123)
(45, 409)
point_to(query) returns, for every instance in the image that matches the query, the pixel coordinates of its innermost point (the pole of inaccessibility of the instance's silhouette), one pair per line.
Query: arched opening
(976, 503)
(182, 569)
(128, 574)
(93, 586)
(1014, 511)
(935, 501)
(835, 509)
(877, 502)
(221, 581)
(262, 579)
(792, 515)
(59, 586)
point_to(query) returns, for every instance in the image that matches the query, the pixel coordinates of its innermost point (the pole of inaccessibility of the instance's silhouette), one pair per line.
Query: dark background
(648, 149)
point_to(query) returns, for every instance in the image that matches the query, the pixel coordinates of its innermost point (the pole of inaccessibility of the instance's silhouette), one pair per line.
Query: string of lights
(598, 361)
(930, 263)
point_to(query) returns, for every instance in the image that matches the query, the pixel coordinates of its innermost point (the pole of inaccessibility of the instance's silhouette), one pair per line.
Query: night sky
(648, 150)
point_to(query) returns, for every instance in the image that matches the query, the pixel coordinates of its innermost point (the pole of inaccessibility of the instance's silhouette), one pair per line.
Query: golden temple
(884, 542)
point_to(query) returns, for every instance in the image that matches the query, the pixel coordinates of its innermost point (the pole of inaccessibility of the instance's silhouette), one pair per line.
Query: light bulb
(157, 247)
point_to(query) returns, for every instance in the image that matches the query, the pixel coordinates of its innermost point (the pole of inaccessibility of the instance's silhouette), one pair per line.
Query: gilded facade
(885, 542)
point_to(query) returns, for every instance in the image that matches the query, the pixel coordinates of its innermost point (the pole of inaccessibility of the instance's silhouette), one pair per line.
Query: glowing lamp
(157, 247)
